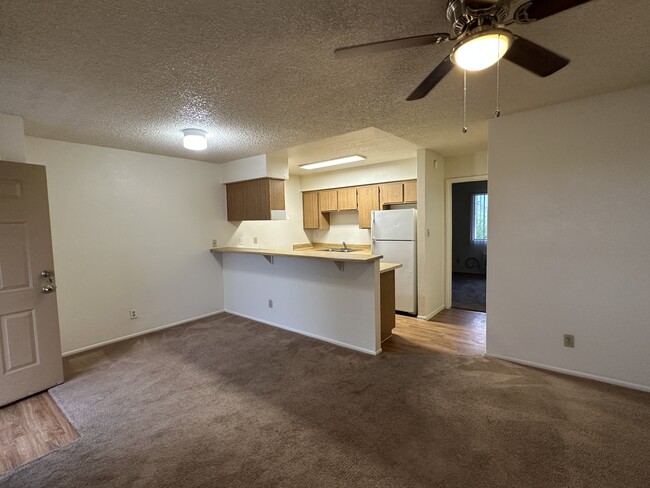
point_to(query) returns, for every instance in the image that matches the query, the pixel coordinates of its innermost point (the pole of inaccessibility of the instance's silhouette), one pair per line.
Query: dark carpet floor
(227, 402)
(468, 291)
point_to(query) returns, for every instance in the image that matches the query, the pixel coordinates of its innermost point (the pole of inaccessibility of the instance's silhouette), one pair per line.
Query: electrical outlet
(569, 340)
(255, 240)
(270, 303)
(215, 243)
(133, 314)
(241, 240)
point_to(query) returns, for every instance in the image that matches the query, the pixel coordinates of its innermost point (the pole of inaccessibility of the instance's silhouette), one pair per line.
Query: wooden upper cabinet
(254, 199)
(312, 218)
(368, 199)
(276, 189)
(347, 198)
(411, 191)
(310, 210)
(391, 193)
(328, 201)
(318, 204)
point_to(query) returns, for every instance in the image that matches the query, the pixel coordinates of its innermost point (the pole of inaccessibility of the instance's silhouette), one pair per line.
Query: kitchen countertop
(386, 267)
(331, 256)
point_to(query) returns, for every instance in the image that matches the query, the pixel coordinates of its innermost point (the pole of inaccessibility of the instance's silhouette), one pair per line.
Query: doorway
(467, 243)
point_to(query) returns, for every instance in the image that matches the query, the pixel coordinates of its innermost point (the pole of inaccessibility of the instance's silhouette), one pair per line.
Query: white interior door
(30, 346)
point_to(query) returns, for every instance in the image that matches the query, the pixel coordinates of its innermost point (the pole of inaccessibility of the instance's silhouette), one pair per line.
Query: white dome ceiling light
(195, 139)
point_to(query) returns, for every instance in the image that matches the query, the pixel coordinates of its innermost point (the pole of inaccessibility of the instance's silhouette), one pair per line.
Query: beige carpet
(228, 402)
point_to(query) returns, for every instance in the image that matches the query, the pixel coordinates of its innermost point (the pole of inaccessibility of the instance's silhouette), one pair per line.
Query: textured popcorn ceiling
(260, 76)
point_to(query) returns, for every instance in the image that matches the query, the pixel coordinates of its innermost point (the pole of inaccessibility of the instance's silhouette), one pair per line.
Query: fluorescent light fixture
(195, 139)
(333, 162)
(481, 50)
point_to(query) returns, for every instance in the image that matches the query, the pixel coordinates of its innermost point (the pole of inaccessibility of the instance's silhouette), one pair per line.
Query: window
(479, 217)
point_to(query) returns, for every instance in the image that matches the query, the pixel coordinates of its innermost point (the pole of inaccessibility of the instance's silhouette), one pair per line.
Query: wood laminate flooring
(452, 331)
(30, 429)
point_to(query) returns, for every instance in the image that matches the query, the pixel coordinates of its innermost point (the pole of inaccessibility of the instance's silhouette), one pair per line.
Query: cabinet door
(347, 198)
(254, 199)
(248, 200)
(311, 216)
(391, 193)
(328, 201)
(411, 191)
(310, 210)
(368, 198)
(276, 194)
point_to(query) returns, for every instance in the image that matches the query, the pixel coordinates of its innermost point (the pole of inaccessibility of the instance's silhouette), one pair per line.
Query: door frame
(448, 228)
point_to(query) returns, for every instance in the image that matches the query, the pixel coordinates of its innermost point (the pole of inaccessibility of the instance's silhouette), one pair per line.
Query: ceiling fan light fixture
(481, 50)
(333, 162)
(195, 139)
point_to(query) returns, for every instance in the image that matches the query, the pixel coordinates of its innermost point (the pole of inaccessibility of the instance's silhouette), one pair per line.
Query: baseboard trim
(432, 314)
(308, 334)
(137, 334)
(571, 372)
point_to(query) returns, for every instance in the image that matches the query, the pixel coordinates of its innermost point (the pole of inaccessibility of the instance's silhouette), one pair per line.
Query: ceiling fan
(481, 39)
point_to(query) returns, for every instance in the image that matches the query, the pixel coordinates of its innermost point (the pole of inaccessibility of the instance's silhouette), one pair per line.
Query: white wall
(361, 175)
(431, 233)
(129, 231)
(570, 237)
(274, 234)
(310, 296)
(466, 165)
(273, 165)
(245, 169)
(344, 226)
(12, 138)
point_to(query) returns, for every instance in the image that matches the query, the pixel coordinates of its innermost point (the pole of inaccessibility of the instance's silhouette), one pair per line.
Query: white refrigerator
(394, 236)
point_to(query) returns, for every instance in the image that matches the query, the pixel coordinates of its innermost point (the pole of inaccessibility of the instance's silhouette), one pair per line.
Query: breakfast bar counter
(332, 296)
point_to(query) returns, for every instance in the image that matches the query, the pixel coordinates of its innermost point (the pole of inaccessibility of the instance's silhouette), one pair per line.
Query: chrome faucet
(345, 246)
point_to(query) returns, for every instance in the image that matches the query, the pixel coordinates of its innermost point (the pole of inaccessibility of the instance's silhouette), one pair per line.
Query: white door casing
(30, 345)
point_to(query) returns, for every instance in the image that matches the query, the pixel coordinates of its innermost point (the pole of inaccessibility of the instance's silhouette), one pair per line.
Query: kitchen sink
(338, 249)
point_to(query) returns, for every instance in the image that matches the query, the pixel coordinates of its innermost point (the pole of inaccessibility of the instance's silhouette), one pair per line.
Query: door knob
(48, 289)
(45, 274)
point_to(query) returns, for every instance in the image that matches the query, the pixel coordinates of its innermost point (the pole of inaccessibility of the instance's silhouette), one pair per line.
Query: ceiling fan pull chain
(464, 101)
(497, 112)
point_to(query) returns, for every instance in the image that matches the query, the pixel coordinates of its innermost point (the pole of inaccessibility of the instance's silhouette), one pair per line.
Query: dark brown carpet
(468, 291)
(228, 402)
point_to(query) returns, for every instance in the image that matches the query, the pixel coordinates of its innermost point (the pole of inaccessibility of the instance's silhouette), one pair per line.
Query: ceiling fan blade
(432, 80)
(381, 46)
(534, 58)
(540, 9)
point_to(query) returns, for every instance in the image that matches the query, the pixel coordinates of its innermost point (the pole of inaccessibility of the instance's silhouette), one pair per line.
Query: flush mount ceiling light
(333, 162)
(195, 139)
(481, 50)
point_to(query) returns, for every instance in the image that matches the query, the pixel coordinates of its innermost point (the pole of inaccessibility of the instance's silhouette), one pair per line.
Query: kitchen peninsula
(330, 296)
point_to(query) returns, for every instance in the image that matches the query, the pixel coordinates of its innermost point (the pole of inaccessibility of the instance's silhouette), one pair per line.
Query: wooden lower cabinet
(368, 200)
(387, 303)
